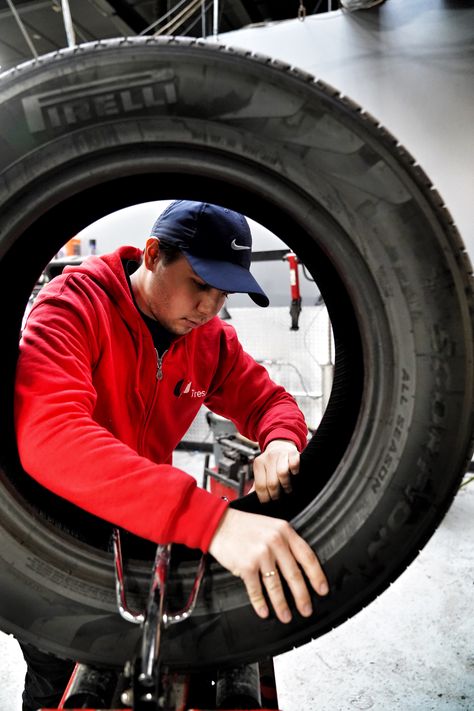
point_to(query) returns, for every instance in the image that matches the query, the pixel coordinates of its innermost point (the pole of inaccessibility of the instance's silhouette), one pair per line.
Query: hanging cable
(199, 19)
(23, 29)
(162, 18)
(180, 19)
(301, 11)
(174, 25)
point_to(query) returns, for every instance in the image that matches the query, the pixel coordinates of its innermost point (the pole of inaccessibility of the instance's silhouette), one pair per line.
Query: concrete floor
(410, 650)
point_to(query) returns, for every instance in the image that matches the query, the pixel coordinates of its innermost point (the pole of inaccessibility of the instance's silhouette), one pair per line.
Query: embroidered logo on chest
(184, 387)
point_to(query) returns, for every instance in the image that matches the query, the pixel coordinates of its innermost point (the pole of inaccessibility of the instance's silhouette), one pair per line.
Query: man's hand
(272, 470)
(262, 551)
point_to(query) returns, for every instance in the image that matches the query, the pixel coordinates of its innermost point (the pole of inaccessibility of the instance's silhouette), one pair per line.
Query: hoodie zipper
(159, 364)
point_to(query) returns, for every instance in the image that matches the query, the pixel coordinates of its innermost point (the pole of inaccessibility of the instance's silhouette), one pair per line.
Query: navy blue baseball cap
(216, 242)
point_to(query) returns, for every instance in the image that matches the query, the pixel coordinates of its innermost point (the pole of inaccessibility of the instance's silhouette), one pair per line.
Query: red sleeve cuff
(282, 433)
(198, 519)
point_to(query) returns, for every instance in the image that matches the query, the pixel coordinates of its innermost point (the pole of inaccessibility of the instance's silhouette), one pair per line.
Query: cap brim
(227, 277)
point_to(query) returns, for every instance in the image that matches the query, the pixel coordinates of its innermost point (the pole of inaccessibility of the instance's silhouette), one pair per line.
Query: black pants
(46, 678)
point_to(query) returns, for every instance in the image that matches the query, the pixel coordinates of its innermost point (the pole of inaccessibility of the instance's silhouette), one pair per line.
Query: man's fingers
(272, 582)
(274, 468)
(267, 487)
(307, 559)
(270, 578)
(283, 472)
(294, 462)
(296, 582)
(275, 481)
(255, 594)
(269, 555)
(272, 477)
(260, 481)
(290, 558)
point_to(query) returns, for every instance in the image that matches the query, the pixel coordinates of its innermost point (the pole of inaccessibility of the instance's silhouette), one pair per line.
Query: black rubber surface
(92, 129)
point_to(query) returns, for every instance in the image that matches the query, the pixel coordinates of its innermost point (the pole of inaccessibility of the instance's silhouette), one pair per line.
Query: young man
(116, 359)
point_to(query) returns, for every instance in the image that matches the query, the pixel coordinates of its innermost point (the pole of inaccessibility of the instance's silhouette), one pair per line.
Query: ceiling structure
(29, 27)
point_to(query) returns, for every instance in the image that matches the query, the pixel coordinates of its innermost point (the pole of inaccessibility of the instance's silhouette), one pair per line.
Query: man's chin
(181, 328)
(190, 325)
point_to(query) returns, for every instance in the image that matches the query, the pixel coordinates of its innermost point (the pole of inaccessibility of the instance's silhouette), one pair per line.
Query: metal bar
(205, 476)
(23, 29)
(270, 255)
(125, 612)
(155, 616)
(242, 481)
(68, 26)
(157, 586)
(233, 443)
(190, 445)
(231, 483)
(186, 611)
(216, 18)
(203, 19)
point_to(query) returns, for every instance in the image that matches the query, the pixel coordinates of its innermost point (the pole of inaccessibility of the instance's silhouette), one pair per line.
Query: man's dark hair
(170, 253)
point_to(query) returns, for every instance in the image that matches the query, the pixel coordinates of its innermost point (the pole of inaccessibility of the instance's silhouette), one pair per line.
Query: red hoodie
(97, 426)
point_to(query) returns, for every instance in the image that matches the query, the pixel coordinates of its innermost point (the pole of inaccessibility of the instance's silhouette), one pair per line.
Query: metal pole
(68, 26)
(216, 18)
(23, 29)
(203, 19)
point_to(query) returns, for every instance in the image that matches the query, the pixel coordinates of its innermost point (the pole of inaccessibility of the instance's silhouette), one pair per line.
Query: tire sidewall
(342, 181)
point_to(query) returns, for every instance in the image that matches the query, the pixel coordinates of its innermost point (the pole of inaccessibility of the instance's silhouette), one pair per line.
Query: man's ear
(151, 252)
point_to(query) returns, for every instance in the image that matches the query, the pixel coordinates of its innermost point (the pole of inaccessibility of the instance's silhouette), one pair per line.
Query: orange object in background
(72, 247)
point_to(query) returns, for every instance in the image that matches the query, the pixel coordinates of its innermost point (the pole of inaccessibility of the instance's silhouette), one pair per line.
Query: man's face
(176, 296)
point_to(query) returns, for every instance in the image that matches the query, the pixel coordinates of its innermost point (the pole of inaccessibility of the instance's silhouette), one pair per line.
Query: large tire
(92, 129)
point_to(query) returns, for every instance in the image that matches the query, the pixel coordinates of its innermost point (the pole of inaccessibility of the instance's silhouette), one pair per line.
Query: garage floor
(410, 650)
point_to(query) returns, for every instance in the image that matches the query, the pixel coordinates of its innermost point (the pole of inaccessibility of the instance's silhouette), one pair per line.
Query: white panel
(410, 63)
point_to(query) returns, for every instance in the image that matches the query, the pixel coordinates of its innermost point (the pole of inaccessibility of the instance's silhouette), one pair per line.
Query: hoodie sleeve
(244, 393)
(62, 446)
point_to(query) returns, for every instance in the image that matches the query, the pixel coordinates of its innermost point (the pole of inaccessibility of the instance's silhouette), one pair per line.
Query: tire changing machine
(145, 684)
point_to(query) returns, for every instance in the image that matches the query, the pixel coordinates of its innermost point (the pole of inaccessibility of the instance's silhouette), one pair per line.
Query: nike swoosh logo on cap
(234, 245)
